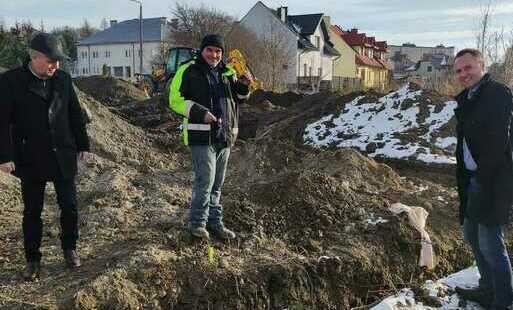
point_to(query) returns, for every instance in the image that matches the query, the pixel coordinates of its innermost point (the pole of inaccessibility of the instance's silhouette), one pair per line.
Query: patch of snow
(445, 142)
(376, 221)
(372, 127)
(465, 278)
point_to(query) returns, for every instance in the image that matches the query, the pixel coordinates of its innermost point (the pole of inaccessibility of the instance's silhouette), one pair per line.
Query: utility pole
(140, 36)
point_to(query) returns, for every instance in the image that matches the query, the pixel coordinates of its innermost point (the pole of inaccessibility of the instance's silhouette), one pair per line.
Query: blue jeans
(492, 260)
(209, 163)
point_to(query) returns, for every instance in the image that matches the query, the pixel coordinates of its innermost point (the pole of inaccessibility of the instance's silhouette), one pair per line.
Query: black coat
(191, 84)
(41, 134)
(485, 122)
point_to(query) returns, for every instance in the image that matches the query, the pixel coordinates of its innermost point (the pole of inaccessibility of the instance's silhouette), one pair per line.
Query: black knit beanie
(212, 40)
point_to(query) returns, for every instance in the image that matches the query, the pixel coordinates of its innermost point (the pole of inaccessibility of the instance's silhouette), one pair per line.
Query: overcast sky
(423, 22)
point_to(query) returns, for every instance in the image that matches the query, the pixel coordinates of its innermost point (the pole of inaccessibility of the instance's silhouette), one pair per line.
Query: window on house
(320, 72)
(309, 71)
(118, 71)
(127, 53)
(128, 72)
(317, 41)
(305, 67)
(107, 54)
(429, 69)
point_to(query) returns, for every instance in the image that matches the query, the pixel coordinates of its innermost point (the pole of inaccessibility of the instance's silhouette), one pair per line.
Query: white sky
(448, 22)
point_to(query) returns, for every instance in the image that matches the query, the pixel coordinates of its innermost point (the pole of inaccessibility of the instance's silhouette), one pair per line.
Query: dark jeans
(33, 192)
(209, 163)
(492, 260)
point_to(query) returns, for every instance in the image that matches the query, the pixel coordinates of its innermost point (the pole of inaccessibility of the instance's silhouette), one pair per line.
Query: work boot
(476, 294)
(199, 232)
(32, 271)
(71, 259)
(222, 233)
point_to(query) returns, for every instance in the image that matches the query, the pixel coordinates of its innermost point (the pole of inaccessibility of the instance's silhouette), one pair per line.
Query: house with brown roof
(371, 65)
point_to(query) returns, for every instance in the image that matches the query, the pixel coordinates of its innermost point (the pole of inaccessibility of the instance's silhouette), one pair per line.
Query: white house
(117, 48)
(306, 38)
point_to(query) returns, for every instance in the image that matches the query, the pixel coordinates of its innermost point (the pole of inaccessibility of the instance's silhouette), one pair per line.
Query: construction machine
(157, 81)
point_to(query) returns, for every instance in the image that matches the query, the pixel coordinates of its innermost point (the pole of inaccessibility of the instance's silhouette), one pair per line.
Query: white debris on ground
(443, 289)
(373, 220)
(374, 127)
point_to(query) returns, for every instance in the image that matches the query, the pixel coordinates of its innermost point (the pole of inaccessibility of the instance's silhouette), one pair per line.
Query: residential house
(408, 54)
(305, 40)
(372, 67)
(116, 49)
(431, 71)
(345, 65)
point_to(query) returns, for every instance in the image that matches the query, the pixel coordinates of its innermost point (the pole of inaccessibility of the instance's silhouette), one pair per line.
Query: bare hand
(246, 79)
(209, 118)
(7, 167)
(84, 156)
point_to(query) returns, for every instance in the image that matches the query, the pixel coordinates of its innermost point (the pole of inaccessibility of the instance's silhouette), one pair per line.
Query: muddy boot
(476, 294)
(222, 233)
(71, 259)
(32, 271)
(199, 232)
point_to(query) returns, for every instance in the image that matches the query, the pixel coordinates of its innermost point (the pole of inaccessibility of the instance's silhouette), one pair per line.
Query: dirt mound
(110, 91)
(286, 99)
(314, 230)
(152, 114)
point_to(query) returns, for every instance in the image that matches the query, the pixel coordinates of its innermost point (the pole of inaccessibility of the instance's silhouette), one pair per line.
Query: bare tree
(482, 36)
(268, 55)
(86, 29)
(103, 24)
(193, 23)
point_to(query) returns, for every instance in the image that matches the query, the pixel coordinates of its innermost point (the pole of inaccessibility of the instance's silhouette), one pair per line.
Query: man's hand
(7, 167)
(84, 156)
(209, 118)
(246, 79)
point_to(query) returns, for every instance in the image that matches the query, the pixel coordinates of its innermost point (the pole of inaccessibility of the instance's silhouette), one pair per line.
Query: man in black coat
(42, 133)
(485, 176)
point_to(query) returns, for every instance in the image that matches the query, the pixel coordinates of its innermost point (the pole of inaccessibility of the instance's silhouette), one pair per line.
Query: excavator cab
(157, 81)
(177, 55)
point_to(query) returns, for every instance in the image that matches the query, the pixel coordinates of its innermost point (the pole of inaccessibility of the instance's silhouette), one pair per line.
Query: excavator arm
(237, 62)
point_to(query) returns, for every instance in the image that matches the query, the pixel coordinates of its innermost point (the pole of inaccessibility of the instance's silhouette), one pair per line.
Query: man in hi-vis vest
(207, 93)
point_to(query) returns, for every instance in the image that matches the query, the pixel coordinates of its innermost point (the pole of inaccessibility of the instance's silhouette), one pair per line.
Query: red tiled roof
(382, 46)
(363, 60)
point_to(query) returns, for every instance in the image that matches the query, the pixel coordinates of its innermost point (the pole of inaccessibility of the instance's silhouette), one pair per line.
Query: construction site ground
(305, 218)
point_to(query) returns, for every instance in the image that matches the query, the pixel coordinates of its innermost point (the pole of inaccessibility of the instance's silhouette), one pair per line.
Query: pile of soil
(286, 99)
(304, 219)
(109, 90)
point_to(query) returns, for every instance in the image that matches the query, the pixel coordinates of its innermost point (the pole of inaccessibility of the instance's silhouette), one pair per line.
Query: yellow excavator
(156, 82)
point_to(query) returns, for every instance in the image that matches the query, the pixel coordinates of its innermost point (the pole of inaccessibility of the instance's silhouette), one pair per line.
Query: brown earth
(109, 90)
(301, 217)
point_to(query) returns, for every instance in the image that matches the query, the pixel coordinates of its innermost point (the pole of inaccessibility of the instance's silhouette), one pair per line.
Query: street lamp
(140, 36)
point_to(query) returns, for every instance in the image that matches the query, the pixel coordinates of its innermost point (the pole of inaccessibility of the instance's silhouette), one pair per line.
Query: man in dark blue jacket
(485, 176)
(42, 133)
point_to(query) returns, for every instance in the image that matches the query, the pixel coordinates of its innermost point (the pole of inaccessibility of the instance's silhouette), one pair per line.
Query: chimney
(283, 13)
(327, 21)
(113, 22)
(174, 23)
